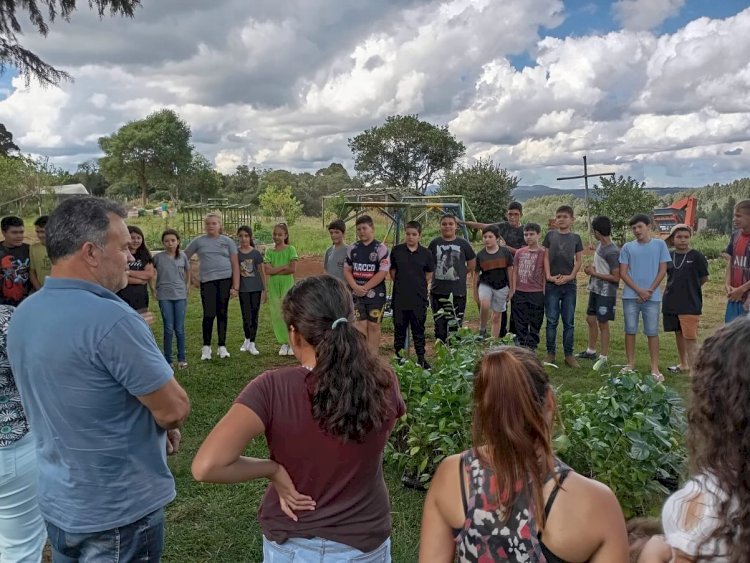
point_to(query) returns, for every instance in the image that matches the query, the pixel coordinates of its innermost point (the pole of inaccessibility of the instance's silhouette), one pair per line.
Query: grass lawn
(218, 522)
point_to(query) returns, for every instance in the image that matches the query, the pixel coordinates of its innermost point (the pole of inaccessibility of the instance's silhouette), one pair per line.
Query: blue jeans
(22, 533)
(735, 309)
(173, 315)
(560, 300)
(318, 550)
(648, 310)
(141, 541)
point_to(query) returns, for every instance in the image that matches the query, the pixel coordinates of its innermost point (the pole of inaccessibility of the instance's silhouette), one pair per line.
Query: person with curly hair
(326, 421)
(509, 498)
(709, 518)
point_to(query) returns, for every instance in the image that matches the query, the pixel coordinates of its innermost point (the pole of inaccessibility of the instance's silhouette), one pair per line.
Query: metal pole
(586, 187)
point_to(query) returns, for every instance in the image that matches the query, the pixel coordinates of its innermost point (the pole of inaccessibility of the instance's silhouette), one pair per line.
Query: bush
(628, 435)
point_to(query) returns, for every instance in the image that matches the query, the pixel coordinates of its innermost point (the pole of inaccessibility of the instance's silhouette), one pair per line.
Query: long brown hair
(350, 386)
(510, 427)
(719, 431)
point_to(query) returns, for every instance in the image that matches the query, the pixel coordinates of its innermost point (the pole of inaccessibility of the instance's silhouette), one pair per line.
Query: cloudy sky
(657, 89)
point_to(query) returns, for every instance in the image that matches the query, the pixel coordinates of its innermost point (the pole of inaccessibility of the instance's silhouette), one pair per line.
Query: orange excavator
(683, 210)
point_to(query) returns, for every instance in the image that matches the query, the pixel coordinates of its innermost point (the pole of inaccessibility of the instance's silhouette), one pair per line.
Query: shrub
(628, 435)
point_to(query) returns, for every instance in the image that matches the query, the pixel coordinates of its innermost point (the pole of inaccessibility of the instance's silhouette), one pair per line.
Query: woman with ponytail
(326, 422)
(509, 498)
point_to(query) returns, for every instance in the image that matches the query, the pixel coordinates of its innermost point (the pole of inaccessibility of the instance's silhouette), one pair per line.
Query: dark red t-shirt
(345, 479)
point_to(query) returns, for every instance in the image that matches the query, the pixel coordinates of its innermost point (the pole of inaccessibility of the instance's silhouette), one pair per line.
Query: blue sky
(655, 89)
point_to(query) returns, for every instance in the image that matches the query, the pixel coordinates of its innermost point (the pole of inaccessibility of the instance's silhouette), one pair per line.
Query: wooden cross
(586, 177)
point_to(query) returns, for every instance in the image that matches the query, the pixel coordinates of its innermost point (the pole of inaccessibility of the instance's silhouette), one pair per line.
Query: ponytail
(510, 394)
(349, 386)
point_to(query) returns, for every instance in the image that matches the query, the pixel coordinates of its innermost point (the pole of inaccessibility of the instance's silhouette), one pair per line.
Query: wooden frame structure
(233, 216)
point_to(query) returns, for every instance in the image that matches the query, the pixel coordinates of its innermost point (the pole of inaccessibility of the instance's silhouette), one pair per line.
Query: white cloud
(645, 14)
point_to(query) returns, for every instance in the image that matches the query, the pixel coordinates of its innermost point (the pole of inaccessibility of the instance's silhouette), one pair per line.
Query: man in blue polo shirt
(101, 400)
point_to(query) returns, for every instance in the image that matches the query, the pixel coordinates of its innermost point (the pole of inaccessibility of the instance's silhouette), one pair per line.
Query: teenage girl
(171, 288)
(252, 284)
(140, 272)
(220, 280)
(280, 265)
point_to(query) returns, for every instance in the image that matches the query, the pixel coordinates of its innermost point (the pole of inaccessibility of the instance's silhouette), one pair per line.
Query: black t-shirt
(451, 258)
(493, 268)
(366, 260)
(683, 294)
(135, 295)
(14, 265)
(410, 285)
(513, 236)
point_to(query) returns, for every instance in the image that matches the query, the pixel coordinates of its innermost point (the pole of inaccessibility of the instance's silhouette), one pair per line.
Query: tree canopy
(7, 146)
(619, 199)
(405, 152)
(41, 14)
(487, 188)
(148, 152)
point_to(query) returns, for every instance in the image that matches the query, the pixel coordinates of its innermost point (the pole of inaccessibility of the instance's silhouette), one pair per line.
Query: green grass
(218, 522)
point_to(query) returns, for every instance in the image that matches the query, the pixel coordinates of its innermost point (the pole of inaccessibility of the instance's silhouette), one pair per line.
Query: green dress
(278, 285)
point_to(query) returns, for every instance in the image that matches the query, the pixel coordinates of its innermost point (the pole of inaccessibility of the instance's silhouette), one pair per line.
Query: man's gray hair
(79, 220)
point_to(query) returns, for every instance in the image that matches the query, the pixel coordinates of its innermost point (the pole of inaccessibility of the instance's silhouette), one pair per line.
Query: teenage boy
(561, 264)
(683, 296)
(454, 258)
(411, 270)
(528, 299)
(496, 283)
(14, 262)
(737, 281)
(603, 281)
(335, 256)
(512, 235)
(643, 265)
(39, 264)
(365, 270)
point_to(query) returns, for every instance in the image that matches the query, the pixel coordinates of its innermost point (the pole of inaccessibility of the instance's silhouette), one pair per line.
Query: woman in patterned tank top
(494, 502)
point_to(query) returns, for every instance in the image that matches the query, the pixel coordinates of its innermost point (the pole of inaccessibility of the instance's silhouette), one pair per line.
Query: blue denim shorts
(648, 310)
(315, 550)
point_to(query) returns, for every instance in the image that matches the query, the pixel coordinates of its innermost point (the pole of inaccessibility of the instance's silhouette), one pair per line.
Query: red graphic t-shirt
(739, 254)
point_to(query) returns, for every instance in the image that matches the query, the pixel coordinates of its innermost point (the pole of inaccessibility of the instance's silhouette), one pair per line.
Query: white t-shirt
(690, 515)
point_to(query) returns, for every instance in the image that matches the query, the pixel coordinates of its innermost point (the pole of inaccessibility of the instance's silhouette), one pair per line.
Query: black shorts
(369, 309)
(603, 308)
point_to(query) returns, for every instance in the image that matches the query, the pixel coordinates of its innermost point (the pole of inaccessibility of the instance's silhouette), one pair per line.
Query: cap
(678, 227)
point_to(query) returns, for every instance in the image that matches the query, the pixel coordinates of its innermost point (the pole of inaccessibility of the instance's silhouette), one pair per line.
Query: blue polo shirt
(81, 357)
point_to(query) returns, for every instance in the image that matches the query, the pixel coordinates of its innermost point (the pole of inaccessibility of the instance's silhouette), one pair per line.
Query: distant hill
(523, 193)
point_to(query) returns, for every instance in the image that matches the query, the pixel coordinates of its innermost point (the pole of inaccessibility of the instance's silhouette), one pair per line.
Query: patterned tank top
(491, 534)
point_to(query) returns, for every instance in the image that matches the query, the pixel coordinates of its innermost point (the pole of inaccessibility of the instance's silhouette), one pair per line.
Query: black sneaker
(423, 363)
(586, 355)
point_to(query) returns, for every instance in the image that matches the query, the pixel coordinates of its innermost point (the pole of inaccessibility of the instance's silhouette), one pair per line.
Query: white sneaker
(284, 350)
(252, 349)
(289, 350)
(244, 348)
(206, 353)
(223, 352)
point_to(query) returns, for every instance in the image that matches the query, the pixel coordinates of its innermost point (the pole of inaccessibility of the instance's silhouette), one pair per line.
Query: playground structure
(233, 216)
(398, 207)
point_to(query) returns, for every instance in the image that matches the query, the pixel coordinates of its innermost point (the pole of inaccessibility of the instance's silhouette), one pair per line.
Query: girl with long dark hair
(252, 287)
(709, 518)
(140, 272)
(280, 265)
(326, 422)
(509, 498)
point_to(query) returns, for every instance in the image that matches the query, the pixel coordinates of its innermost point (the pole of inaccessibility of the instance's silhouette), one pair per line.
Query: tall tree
(620, 199)
(405, 152)
(7, 146)
(244, 182)
(41, 13)
(149, 152)
(487, 188)
(89, 175)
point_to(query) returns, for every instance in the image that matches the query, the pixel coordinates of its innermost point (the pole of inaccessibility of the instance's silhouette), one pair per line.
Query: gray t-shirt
(250, 265)
(214, 256)
(562, 252)
(171, 276)
(334, 261)
(606, 261)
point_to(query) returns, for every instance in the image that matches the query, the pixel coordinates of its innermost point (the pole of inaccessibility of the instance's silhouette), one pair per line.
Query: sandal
(674, 369)
(626, 370)
(182, 365)
(658, 377)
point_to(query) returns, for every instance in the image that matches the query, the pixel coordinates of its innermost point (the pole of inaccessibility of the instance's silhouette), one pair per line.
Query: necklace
(684, 258)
